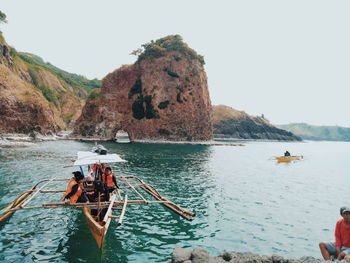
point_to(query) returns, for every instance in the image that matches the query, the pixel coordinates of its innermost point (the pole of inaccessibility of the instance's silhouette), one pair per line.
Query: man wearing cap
(341, 247)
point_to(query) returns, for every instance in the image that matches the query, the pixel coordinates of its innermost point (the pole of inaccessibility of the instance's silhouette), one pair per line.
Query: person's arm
(115, 181)
(337, 233)
(72, 192)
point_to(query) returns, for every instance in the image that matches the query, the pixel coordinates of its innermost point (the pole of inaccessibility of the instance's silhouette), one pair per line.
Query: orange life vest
(108, 180)
(74, 198)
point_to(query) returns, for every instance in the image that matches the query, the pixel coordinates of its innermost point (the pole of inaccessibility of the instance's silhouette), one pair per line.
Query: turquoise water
(244, 201)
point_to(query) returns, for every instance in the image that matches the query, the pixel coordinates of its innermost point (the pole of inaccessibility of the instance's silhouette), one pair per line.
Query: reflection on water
(244, 201)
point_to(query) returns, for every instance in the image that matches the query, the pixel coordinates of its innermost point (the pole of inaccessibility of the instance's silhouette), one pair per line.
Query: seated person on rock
(74, 192)
(341, 248)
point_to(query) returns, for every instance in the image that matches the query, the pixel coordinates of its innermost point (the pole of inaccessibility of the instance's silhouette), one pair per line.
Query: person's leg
(327, 249)
(346, 252)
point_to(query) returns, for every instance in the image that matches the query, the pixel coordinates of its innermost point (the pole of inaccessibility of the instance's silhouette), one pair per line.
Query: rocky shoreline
(25, 140)
(200, 255)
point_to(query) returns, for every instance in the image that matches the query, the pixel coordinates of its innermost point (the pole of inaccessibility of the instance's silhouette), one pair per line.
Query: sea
(243, 199)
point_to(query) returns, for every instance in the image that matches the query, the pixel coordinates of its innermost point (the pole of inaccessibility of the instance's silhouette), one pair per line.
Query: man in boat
(74, 192)
(109, 180)
(341, 248)
(286, 153)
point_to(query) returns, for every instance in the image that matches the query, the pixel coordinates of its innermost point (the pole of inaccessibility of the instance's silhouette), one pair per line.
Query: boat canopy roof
(86, 158)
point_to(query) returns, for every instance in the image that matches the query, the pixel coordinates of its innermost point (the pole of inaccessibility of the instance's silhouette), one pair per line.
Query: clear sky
(289, 60)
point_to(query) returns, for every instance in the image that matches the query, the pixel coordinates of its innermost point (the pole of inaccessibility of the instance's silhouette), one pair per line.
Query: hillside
(36, 96)
(231, 123)
(312, 132)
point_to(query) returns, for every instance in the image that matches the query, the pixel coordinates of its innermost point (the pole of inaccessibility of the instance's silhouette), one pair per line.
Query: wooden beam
(109, 210)
(35, 192)
(120, 221)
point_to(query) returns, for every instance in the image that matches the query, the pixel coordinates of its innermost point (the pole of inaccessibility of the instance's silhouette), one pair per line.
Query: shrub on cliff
(50, 95)
(159, 48)
(137, 88)
(94, 94)
(139, 111)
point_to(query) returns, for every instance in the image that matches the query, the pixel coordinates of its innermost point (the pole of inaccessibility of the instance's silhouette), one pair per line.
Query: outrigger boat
(131, 191)
(287, 159)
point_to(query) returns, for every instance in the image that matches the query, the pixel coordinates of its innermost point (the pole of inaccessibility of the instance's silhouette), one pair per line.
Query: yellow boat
(287, 159)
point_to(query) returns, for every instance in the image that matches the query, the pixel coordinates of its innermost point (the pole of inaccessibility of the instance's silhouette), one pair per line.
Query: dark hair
(78, 176)
(108, 168)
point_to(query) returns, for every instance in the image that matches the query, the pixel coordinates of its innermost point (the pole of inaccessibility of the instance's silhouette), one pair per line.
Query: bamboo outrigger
(99, 214)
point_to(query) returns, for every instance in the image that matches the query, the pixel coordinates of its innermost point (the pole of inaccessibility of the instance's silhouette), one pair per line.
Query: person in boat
(109, 180)
(74, 192)
(98, 169)
(89, 188)
(339, 249)
(286, 154)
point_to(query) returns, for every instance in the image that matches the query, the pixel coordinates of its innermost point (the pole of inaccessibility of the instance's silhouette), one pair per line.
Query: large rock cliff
(34, 96)
(231, 123)
(164, 95)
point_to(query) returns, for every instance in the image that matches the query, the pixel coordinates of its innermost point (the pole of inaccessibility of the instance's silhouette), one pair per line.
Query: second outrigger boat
(131, 191)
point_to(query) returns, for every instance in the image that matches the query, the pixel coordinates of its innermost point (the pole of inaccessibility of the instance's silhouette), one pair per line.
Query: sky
(288, 60)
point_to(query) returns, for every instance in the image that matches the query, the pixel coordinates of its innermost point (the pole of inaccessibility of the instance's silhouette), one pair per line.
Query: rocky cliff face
(230, 123)
(32, 97)
(164, 95)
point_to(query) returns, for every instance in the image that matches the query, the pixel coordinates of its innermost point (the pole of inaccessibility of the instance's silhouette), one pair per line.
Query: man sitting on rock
(341, 247)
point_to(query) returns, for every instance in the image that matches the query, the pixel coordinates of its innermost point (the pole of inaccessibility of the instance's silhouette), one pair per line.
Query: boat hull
(97, 230)
(287, 159)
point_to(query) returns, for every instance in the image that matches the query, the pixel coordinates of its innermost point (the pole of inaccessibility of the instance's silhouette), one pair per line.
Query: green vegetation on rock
(171, 73)
(138, 111)
(136, 88)
(94, 94)
(178, 98)
(49, 94)
(159, 48)
(143, 108)
(163, 104)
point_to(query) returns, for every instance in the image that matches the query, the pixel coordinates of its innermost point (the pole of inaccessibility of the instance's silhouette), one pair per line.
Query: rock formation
(33, 95)
(164, 95)
(230, 123)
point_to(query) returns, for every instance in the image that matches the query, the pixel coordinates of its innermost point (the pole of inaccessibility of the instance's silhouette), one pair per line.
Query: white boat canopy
(86, 158)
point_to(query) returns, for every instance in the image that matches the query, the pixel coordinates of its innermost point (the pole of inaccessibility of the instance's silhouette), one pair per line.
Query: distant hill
(312, 132)
(231, 123)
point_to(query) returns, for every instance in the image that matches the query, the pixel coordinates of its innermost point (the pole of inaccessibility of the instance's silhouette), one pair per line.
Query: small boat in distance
(287, 159)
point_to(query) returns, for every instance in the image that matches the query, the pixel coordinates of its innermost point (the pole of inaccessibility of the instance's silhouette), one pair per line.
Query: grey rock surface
(200, 255)
(181, 255)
